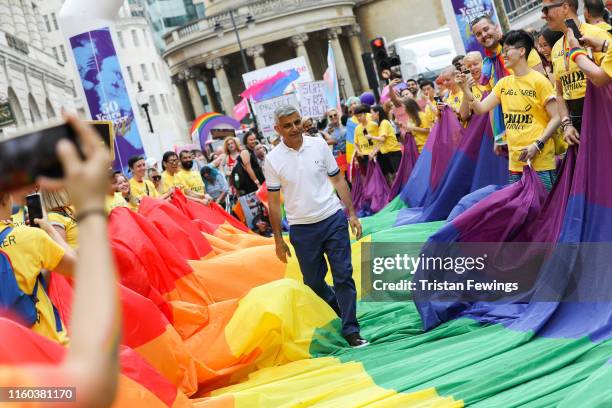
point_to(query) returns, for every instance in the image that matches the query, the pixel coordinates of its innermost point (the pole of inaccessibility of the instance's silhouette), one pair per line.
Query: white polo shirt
(303, 176)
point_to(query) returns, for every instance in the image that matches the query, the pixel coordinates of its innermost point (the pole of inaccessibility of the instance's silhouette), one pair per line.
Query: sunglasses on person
(156, 178)
(333, 116)
(546, 9)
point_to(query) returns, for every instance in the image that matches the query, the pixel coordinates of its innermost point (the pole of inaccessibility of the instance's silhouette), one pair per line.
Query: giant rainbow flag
(213, 319)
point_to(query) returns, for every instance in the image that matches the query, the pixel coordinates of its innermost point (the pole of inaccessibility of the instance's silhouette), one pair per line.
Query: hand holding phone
(33, 154)
(34, 204)
(571, 24)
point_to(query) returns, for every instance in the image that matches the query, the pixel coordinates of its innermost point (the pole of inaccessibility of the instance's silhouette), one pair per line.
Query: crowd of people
(532, 84)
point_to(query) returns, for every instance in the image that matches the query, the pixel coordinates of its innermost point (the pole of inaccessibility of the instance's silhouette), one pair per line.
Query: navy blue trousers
(328, 237)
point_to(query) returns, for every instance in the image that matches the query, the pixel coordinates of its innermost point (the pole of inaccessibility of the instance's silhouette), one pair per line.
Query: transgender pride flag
(331, 79)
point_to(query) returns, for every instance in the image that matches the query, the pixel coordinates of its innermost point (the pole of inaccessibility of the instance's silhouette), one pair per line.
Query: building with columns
(32, 79)
(204, 56)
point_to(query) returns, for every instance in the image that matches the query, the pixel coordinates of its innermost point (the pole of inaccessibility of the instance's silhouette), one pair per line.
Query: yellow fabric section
(144, 188)
(278, 319)
(69, 225)
(324, 382)
(390, 144)
(571, 77)
(31, 250)
(523, 101)
(191, 180)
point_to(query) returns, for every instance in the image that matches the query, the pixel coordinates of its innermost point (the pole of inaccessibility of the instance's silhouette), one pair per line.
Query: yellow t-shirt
(366, 146)
(420, 138)
(68, 223)
(30, 250)
(114, 201)
(571, 77)
(191, 180)
(479, 90)
(603, 25)
(19, 217)
(390, 144)
(454, 100)
(170, 181)
(142, 189)
(523, 101)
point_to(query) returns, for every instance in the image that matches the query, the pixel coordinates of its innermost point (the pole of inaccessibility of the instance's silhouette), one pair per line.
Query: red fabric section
(213, 213)
(174, 225)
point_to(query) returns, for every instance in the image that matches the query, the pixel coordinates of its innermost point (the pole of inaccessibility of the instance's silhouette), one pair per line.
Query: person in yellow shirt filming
(366, 137)
(571, 81)
(529, 107)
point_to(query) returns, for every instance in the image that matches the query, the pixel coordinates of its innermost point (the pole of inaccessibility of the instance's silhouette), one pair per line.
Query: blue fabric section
(471, 199)
(472, 167)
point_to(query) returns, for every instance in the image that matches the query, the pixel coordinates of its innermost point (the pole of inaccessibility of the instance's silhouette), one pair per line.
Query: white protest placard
(313, 99)
(264, 111)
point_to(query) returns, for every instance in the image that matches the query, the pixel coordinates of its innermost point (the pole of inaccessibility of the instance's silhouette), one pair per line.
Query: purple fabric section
(465, 173)
(376, 189)
(410, 155)
(448, 137)
(357, 187)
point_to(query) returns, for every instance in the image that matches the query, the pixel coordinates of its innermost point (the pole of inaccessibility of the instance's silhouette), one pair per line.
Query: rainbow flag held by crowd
(213, 319)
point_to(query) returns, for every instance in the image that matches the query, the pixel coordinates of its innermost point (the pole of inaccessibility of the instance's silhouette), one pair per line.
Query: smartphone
(31, 154)
(400, 87)
(34, 204)
(571, 24)
(438, 99)
(467, 72)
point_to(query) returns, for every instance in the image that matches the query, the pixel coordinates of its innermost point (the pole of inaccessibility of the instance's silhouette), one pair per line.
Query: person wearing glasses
(155, 178)
(571, 81)
(337, 132)
(529, 106)
(489, 35)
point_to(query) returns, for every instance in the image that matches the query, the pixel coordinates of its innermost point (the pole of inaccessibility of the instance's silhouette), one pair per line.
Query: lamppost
(143, 101)
(250, 21)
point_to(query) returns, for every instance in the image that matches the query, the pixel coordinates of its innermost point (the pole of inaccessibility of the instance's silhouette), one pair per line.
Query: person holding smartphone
(91, 364)
(571, 81)
(599, 75)
(366, 137)
(529, 106)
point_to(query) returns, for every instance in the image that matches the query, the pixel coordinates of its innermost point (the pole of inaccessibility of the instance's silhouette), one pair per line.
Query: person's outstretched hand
(86, 180)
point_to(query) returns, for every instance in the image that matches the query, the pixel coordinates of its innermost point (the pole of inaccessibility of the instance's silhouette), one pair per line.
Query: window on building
(121, 40)
(55, 54)
(155, 73)
(153, 105)
(145, 73)
(146, 36)
(54, 18)
(63, 51)
(46, 18)
(130, 73)
(162, 97)
(135, 38)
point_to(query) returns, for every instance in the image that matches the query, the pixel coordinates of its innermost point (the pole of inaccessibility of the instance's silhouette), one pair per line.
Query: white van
(424, 55)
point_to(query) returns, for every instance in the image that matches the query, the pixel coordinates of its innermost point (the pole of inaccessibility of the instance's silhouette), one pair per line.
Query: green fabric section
(384, 219)
(486, 366)
(408, 233)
